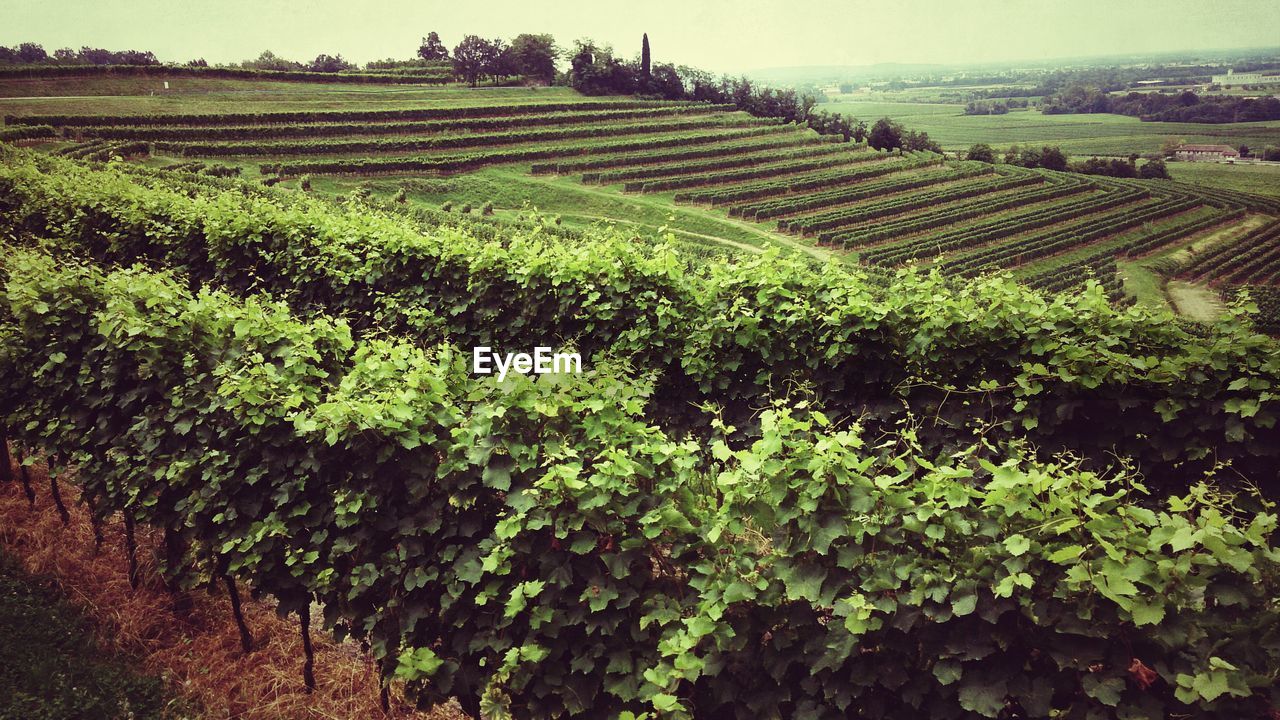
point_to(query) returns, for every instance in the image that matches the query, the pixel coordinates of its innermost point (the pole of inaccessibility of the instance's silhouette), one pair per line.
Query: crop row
(1208, 263)
(27, 132)
(1054, 242)
(455, 163)
(794, 139)
(906, 203)
(952, 214)
(830, 178)
(768, 209)
(428, 76)
(1000, 227)
(768, 170)
(516, 535)
(322, 116)
(661, 170)
(302, 130)
(1166, 236)
(1228, 262)
(441, 142)
(1074, 273)
(387, 276)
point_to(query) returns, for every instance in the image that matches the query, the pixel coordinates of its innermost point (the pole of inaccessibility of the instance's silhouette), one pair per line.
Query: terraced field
(802, 190)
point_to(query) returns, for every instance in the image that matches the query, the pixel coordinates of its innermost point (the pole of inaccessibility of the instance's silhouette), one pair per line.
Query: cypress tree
(644, 56)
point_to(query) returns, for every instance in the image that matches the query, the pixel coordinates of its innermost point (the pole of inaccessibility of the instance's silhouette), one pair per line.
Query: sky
(718, 35)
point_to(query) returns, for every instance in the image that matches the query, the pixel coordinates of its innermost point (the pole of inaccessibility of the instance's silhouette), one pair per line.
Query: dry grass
(198, 653)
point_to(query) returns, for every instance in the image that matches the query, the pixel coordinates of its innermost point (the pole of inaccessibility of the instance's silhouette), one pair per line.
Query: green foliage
(539, 543)
(987, 358)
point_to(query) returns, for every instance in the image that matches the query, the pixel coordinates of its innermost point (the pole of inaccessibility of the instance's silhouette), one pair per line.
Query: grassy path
(748, 232)
(1197, 302)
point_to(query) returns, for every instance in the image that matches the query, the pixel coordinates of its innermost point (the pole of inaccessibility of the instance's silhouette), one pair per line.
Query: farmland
(1094, 134)
(717, 179)
(846, 414)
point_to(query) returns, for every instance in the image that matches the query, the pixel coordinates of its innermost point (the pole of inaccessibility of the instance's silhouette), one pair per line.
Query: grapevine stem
(308, 667)
(246, 639)
(131, 551)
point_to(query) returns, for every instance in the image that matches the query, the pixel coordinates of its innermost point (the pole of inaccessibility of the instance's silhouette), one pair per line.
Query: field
(1077, 135)
(858, 433)
(716, 179)
(1258, 179)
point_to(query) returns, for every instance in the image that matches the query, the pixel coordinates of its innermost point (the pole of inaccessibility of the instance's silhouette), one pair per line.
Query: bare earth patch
(1197, 302)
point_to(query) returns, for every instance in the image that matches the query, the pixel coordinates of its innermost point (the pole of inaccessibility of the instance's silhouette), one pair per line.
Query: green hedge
(986, 358)
(537, 549)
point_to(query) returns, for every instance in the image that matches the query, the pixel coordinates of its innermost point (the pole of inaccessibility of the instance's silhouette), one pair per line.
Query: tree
(472, 58)
(1154, 170)
(645, 60)
(29, 52)
(535, 56)
(982, 153)
(432, 50)
(1271, 153)
(328, 64)
(885, 135)
(64, 55)
(270, 61)
(1052, 158)
(1011, 156)
(860, 131)
(1244, 151)
(919, 141)
(1170, 146)
(501, 63)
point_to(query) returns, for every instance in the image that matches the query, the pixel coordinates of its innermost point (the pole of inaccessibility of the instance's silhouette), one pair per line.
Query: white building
(1206, 153)
(1231, 78)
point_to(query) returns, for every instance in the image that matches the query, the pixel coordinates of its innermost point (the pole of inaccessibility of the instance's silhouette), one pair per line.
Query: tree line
(29, 53)
(1186, 106)
(1052, 157)
(592, 69)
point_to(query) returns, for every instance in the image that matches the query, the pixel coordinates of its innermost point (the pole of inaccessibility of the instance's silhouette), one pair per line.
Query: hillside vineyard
(778, 487)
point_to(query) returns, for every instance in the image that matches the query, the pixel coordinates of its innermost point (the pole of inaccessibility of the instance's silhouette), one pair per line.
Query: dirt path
(1197, 302)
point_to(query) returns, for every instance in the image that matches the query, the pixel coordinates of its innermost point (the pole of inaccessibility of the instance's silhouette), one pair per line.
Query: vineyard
(265, 376)
(1054, 230)
(923, 458)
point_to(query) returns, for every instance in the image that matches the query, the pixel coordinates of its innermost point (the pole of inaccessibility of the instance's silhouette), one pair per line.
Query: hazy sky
(719, 35)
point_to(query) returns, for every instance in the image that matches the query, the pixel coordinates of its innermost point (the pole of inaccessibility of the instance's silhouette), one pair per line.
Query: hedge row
(160, 72)
(318, 116)
(949, 215)
(888, 207)
(537, 550)
(793, 139)
(456, 163)
(768, 209)
(275, 131)
(764, 170)
(444, 142)
(1045, 244)
(1068, 210)
(27, 132)
(683, 167)
(773, 188)
(726, 333)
